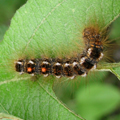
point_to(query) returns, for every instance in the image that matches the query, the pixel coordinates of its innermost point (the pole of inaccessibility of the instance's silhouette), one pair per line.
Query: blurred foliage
(8, 8)
(3, 29)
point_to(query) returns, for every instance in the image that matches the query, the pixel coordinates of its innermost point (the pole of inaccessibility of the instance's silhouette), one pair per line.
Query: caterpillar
(69, 67)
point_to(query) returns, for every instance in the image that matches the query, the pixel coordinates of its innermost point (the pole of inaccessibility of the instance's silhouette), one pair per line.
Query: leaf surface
(50, 29)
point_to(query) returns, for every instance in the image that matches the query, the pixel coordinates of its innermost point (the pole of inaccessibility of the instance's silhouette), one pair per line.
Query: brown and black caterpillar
(69, 67)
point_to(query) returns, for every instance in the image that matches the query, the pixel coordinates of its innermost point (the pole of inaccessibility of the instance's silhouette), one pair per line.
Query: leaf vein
(43, 20)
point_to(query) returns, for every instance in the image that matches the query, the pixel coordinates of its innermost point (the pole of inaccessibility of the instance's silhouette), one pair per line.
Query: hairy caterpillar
(70, 67)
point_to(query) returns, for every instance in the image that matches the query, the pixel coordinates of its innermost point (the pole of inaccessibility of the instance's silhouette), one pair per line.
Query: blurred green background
(7, 10)
(96, 97)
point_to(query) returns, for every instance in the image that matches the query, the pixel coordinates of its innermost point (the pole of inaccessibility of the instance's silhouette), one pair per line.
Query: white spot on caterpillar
(31, 62)
(32, 74)
(66, 64)
(89, 51)
(57, 64)
(45, 62)
(101, 56)
(19, 63)
(74, 63)
(84, 75)
(72, 77)
(58, 76)
(82, 60)
(45, 75)
(94, 67)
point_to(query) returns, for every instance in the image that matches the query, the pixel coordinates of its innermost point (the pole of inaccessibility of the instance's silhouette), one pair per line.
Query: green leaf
(117, 117)
(99, 100)
(8, 117)
(45, 29)
(116, 71)
(112, 67)
(66, 91)
(32, 100)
